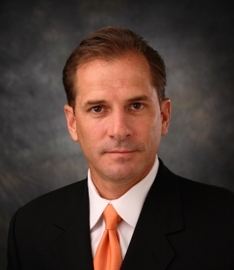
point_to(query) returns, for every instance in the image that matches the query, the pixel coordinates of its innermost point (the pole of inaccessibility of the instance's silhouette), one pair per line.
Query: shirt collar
(128, 206)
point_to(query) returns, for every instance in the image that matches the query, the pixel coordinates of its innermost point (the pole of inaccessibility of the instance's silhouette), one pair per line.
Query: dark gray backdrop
(196, 39)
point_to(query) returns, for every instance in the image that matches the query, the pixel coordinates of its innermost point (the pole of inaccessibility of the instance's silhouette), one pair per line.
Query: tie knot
(111, 217)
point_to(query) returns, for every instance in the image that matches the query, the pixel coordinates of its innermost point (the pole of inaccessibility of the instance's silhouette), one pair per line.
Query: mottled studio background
(196, 39)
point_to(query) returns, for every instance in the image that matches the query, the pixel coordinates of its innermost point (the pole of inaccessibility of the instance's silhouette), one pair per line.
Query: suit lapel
(161, 214)
(73, 249)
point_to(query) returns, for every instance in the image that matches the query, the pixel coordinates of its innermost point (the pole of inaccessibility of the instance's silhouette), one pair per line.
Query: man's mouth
(122, 151)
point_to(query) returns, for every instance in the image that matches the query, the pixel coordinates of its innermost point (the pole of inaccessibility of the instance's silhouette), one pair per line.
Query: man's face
(118, 120)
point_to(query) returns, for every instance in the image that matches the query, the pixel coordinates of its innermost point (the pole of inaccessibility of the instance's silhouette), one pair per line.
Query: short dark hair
(110, 43)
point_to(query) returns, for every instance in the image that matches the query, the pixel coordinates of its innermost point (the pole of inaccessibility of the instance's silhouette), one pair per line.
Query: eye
(97, 109)
(137, 106)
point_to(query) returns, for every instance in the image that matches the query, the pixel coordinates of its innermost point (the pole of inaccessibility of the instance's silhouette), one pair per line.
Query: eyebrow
(138, 98)
(94, 102)
(103, 101)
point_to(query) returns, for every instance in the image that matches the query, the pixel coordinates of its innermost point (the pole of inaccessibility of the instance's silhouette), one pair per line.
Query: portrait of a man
(132, 211)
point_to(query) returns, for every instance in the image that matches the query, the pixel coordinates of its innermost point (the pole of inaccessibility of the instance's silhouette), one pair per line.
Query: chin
(122, 175)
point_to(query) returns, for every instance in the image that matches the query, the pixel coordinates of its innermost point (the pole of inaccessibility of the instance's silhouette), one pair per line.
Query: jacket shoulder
(206, 194)
(197, 190)
(49, 205)
(198, 197)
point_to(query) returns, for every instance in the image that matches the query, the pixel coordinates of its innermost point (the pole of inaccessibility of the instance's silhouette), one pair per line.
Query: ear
(71, 122)
(166, 115)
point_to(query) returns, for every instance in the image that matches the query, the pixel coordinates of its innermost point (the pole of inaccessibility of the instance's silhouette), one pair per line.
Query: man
(117, 111)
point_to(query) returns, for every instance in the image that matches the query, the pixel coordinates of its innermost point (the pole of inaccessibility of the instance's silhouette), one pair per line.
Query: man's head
(111, 43)
(117, 110)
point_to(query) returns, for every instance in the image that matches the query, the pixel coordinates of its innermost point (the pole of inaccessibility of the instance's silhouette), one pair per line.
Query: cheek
(89, 135)
(155, 129)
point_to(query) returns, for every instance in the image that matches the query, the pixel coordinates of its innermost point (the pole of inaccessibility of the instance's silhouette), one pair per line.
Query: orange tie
(108, 255)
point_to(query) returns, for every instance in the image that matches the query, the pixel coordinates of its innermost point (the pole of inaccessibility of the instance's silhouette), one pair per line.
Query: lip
(121, 154)
(121, 151)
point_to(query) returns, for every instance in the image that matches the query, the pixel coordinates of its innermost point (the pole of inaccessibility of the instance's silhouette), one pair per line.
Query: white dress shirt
(127, 206)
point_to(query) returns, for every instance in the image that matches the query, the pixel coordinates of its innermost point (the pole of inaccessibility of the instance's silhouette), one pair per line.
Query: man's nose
(119, 125)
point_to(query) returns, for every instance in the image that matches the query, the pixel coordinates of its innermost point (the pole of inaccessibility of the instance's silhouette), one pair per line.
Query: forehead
(130, 69)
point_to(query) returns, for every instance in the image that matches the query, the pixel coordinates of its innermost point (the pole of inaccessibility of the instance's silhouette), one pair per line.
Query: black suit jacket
(182, 225)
